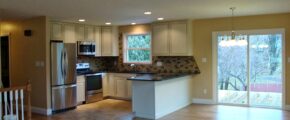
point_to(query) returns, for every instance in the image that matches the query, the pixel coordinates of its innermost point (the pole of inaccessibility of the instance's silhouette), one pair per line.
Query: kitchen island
(156, 95)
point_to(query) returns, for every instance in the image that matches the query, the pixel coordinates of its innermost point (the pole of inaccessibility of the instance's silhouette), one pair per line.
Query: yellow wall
(135, 29)
(25, 51)
(202, 45)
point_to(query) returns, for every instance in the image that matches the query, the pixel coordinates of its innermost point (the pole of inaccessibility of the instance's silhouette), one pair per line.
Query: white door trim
(248, 32)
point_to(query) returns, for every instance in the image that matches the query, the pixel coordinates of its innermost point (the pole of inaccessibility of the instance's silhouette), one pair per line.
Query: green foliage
(138, 48)
(138, 55)
(138, 41)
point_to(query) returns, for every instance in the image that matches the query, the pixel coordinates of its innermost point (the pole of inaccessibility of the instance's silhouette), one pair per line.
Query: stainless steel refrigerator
(63, 76)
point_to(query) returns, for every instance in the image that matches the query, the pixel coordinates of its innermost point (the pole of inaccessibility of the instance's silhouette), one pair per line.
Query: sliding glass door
(232, 73)
(251, 74)
(265, 70)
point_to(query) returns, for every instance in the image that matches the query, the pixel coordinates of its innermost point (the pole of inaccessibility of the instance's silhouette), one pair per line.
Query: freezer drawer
(64, 97)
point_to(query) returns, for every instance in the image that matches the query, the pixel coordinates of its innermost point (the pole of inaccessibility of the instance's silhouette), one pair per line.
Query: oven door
(93, 84)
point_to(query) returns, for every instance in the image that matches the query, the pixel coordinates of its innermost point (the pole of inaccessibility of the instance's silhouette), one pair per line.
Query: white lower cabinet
(81, 96)
(117, 85)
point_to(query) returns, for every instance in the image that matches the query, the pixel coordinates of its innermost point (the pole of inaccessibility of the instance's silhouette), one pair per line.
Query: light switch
(159, 64)
(37, 63)
(41, 63)
(204, 60)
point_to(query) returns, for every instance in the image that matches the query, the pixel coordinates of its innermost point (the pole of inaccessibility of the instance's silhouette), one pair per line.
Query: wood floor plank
(110, 109)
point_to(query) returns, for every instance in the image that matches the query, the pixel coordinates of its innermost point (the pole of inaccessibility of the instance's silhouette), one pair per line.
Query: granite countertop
(143, 76)
(158, 76)
(132, 72)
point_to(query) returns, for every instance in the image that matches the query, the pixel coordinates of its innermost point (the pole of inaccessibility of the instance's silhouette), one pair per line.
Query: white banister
(22, 109)
(16, 104)
(0, 105)
(11, 102)
(5, 103)
(15, 95)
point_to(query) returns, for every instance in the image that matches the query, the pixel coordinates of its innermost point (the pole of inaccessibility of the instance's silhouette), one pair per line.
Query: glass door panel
(232, 75)
(265, 59)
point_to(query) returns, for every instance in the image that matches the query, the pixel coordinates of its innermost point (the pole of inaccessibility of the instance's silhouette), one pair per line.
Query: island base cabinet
(155, 99)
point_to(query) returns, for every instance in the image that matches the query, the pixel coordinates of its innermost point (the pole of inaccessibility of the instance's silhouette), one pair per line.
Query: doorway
(251, 74)
(4, 63)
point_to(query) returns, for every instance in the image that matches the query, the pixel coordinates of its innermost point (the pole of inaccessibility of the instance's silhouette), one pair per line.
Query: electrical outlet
(159, 64)
(204, 91)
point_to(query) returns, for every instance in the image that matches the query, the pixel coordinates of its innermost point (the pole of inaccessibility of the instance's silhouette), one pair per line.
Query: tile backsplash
(170, 64)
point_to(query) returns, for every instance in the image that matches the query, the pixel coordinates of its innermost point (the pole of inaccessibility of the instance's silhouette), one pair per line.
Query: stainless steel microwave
(86, 47)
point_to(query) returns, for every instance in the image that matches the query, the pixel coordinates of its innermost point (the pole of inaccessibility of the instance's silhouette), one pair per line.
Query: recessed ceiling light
(108, 23)
(160, 18)
(82, 20)
(133, 23)
(147, 13)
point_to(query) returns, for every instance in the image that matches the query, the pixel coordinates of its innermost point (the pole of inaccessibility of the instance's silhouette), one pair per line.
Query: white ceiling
(122, 12)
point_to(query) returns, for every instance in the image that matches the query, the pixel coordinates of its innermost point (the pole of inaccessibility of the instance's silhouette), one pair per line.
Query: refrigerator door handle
(65, 64)
(65, 86)
(61, 65)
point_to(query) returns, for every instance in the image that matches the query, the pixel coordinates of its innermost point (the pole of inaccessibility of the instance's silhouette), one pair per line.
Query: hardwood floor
(121, 110)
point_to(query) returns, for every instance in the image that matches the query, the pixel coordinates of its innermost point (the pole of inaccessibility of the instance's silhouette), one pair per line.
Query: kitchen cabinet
(160, 40)
(109, 41)
(97, 34)
(89, 33)
(178, 38)
(56, 31)
(118, 86)
(80, 32)
(111, 86)
(69, 33)
(81, 93)
(172, 38)
(106, 37)
(121, 87)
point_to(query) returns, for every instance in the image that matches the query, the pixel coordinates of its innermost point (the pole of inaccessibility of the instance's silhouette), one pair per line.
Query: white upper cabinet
(178, 39)
(109, 41)
(56, 31)
(89, 33)
(172, 38)
(97, 34)
(69, 33)
(106, 38)
(160, 41)
(80, 32)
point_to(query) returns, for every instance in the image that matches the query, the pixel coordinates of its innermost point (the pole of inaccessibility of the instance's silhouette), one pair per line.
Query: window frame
(125, 49)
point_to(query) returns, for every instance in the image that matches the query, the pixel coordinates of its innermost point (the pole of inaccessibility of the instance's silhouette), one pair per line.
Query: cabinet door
(111, 86)
(80, 32)
(129, 89)
(107, 45)
(56, 31)
(98, 41)
(121, 87)
(160, 40)
(69, 33)
(105, 85)
(89, 33)
(81, 93)
(178, 39)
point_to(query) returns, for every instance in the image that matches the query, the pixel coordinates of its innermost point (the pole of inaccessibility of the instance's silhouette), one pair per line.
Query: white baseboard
(203, 101)
(41, 111)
